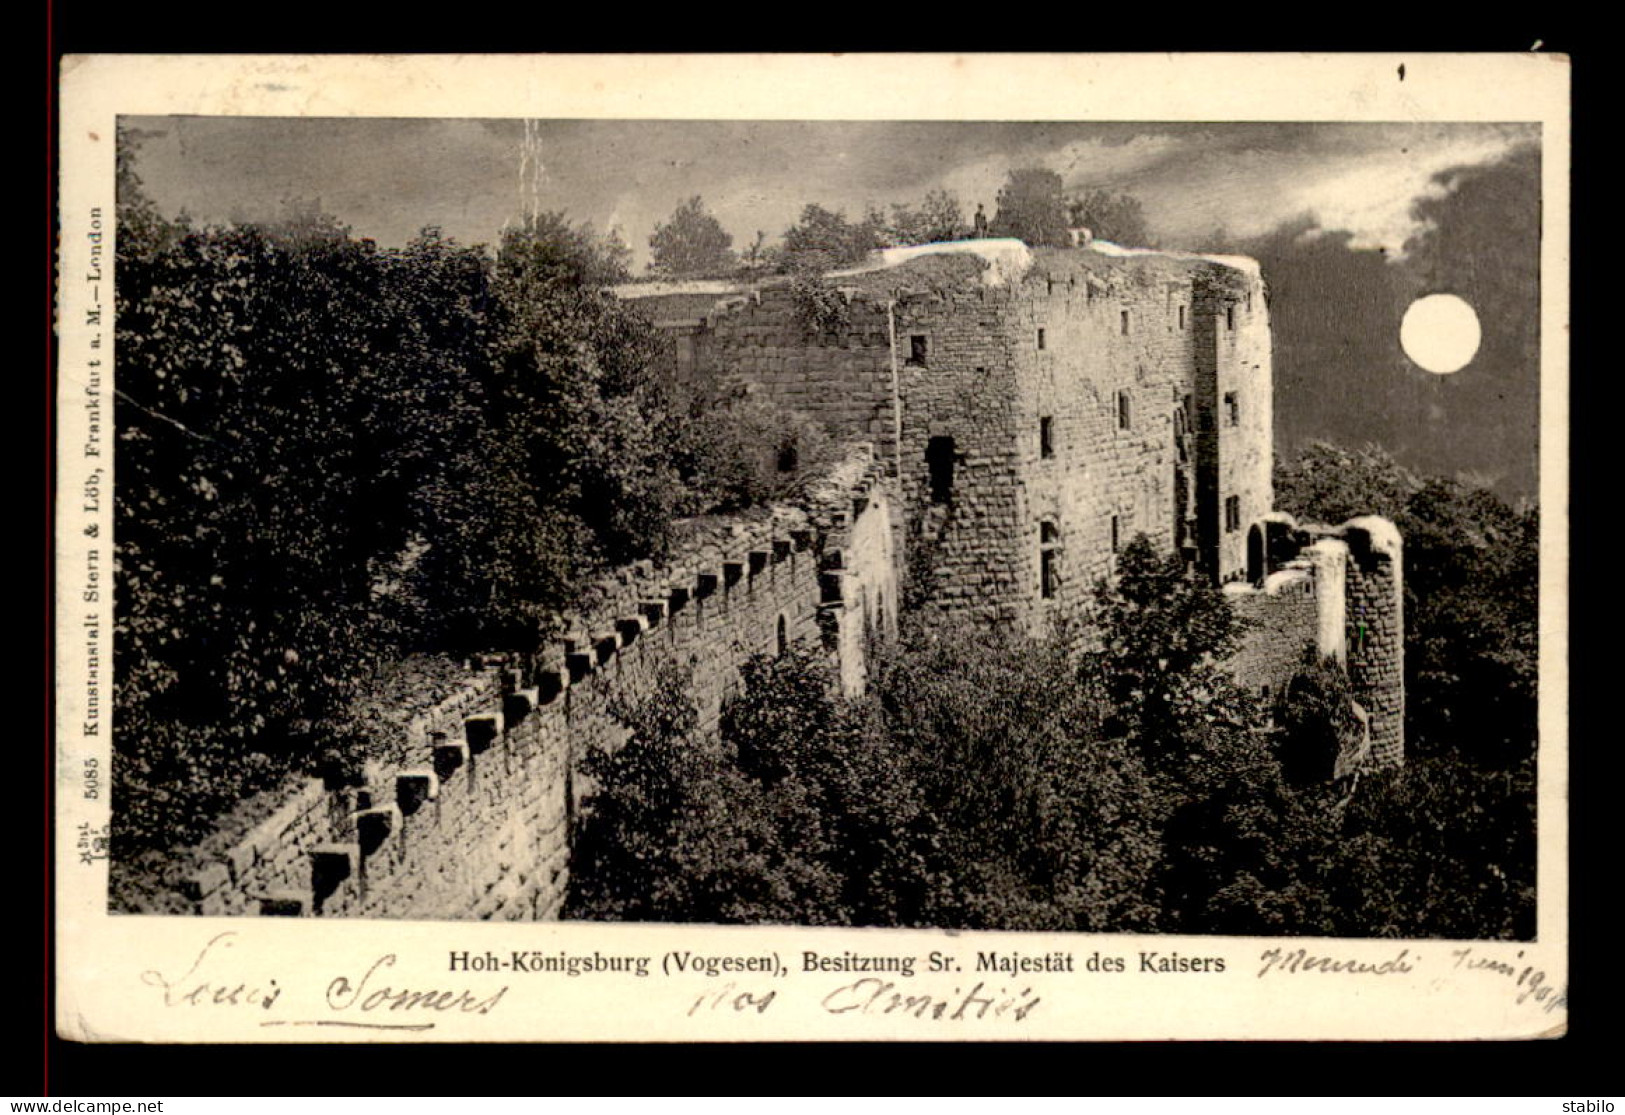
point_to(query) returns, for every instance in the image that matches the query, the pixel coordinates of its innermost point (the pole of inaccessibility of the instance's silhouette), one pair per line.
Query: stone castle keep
(1012, 418)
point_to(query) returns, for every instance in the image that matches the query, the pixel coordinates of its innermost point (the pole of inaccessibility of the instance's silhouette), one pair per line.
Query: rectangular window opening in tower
(1046, 437)
(939, 460)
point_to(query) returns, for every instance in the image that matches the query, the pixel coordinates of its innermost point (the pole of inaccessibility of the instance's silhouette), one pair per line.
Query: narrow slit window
(1046, 437)
(1041, 340)
(1117, 534)
(1232, 408)
(1049, 538)
(1229, 317)
(1125, 411)
(1123, 323)
(1182, 317)
(939, 460)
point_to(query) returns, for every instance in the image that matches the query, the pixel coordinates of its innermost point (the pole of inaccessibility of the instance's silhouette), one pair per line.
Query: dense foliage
(1471, 604)
(331, 455)
(824, 239)
(1117, 217)
(937, 217)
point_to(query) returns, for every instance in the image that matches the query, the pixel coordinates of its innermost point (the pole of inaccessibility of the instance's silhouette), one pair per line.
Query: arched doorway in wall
(1256, 565)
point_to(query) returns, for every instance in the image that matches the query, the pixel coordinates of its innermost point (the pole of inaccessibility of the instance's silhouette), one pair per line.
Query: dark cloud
(1339, 370)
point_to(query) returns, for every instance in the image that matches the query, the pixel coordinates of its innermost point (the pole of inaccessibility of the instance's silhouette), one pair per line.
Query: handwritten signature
(1302, 960)
(198, 987)
(1530, 982)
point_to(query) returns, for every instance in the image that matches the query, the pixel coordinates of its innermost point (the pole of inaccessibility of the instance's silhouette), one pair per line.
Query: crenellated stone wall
(471, 816)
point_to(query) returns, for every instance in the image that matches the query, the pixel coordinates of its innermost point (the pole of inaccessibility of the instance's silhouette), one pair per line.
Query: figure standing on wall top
(980, 222)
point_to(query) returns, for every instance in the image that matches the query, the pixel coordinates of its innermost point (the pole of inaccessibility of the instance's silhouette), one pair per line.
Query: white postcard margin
(118, 976)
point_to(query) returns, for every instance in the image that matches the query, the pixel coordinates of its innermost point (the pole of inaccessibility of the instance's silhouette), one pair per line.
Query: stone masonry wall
(1116, 362)
(1282, 620)
(473, 820)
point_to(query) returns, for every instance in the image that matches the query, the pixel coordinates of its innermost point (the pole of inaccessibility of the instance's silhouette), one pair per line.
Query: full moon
(1440, 333)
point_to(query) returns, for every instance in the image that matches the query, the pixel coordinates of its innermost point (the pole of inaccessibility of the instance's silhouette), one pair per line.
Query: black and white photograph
(1107, 537)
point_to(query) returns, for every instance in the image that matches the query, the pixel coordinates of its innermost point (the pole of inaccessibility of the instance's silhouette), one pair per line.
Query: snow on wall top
(1007, 259)
(1239, 263)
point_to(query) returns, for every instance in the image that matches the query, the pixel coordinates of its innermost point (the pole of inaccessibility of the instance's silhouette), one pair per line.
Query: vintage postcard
(745, 548)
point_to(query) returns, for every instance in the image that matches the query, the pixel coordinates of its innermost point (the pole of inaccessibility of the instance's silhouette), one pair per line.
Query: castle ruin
(1013, 416)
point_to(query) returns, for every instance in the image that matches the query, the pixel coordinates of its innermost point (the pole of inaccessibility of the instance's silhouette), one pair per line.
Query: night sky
(1350, 221)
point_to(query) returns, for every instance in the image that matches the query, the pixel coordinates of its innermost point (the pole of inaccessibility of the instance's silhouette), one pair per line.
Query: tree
(576, 385)
(824, 238)
(1442, 848)
(1244, 852)
(1161, 634)
(692, 242)
(1116, 217)
(937, 218)
(278, 412)
(792, 815)
(742, 450)
(807, 747)
(1326, 483)
(1032, 209)
(1041, 821)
